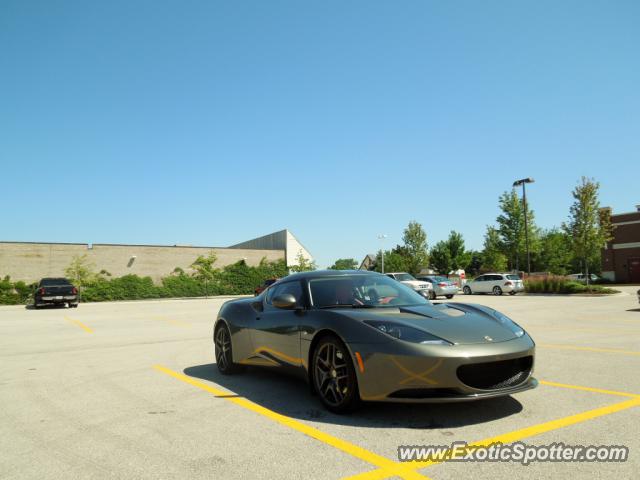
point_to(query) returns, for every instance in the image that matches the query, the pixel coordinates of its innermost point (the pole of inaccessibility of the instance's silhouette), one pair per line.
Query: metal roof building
(281, 240)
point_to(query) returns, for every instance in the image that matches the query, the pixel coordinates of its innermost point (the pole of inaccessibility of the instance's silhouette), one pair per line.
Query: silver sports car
(357, 335)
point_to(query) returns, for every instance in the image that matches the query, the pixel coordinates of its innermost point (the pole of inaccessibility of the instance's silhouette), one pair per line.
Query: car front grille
(496, 375)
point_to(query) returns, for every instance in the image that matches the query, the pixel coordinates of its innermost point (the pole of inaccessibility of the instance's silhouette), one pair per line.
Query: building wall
(32, 261)
(283, 240)
(623, 250)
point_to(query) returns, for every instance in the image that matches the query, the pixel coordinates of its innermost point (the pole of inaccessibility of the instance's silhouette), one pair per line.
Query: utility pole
(381, 237)
(517, 183)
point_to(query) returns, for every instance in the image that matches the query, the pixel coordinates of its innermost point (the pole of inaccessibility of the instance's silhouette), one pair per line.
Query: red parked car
(266, 284)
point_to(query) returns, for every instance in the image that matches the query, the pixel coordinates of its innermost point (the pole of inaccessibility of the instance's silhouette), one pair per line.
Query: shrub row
(15, 293)
(236, 279)
(559, 284)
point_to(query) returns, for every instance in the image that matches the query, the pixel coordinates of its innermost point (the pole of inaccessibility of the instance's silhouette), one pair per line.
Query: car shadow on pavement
(290, 396)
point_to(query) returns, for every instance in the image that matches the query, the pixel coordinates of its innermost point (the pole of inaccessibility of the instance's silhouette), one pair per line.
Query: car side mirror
(285, 301)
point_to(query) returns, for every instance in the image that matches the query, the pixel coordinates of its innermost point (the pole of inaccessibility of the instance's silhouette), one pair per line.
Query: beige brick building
(31, 261)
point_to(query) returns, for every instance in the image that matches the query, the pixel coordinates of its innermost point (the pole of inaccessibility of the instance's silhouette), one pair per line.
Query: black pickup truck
(57, 291)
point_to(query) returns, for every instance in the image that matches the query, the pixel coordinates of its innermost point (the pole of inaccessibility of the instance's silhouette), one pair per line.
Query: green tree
(588, 227)
(81, 271)
(460, 258)
(415, 245)
(492, 257)
(393, 262)
(555, 253)
(511, 229)
(303, 264)
(475, 263)
(204, 270)
(344, 264)
(440, 257)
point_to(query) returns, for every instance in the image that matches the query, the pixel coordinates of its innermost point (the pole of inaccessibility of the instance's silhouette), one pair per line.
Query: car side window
(480, 278)
(292, 288)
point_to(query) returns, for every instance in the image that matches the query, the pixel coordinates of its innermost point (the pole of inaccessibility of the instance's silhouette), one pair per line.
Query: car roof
(328, 273)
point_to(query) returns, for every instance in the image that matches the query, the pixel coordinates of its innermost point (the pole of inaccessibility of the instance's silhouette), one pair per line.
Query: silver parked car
(582, 278)
(496, 283)
(442, 286)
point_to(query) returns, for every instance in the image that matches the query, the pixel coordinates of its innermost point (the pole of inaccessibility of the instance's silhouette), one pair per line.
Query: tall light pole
(517, 183)
(381, 237)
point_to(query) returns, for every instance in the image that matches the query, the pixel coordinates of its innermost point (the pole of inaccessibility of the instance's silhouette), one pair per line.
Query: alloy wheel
(223, 349)
(331, 374)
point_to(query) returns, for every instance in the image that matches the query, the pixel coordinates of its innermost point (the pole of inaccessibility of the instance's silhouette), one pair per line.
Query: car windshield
(404, 277)
(513, 277)
(441, 279)
(54, 281)
(362, 291)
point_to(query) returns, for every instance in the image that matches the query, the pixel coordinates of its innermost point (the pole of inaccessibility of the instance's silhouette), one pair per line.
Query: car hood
(457, 323)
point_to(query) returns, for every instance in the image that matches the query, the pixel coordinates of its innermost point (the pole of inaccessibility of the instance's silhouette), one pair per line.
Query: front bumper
(401, 372)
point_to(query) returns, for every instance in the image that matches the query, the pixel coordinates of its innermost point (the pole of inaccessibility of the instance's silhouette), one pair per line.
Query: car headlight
(517, 330)
(408, 334)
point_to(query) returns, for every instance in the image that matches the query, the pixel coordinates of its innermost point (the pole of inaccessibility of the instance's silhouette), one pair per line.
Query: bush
(15, 293)
(559, 284)
(236, 279)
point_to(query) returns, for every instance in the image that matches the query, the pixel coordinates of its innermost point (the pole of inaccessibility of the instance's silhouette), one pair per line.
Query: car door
(492, 281)
(276, 333)
(477, 285)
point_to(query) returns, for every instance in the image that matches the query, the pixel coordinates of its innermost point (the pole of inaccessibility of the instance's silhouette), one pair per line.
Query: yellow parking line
(589, 389)
(589, 349)
(516, 434)
(350, 448)
(79, 324)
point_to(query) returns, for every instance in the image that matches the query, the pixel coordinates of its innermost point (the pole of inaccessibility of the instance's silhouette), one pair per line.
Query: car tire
(466, 290)
(224, 351)
(512, 293)
(497, 290)
(432, 295)
(449, 296)
(334, 376)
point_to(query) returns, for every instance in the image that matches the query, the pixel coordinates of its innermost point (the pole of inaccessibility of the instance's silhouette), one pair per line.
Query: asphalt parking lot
(130, 390)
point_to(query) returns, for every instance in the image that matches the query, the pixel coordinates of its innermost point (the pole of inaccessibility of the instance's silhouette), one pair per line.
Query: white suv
(496, 283)
(423, 288)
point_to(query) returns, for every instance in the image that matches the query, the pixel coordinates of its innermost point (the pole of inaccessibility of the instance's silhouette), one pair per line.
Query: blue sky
(209, 122)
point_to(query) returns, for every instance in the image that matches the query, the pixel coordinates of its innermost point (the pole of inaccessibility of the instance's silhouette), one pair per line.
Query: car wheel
(223, 351)
(497, 290)
(334, 377)
(432, 295)
(449, 296)
(466, 290)
(512, 293)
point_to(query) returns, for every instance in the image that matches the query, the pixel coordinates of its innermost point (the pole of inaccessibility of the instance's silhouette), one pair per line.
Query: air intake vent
(496, 375)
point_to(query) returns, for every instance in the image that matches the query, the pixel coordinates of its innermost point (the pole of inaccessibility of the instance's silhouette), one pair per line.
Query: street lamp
(517, 183)
(381, 237)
